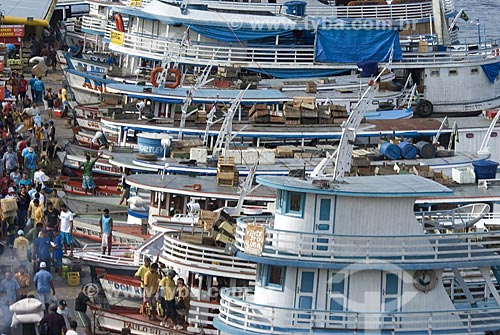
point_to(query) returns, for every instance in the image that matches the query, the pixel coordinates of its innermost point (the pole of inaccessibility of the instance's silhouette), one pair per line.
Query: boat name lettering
(97, 86)
(125, 287)
(90, 67)
(148, 149)
(144, 328)
(94, 124)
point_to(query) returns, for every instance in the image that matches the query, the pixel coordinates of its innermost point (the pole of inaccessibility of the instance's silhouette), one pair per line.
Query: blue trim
(334, 218)
(267, 273)
(92, 32)
(387, 266)
(290, 212)
(136, 214)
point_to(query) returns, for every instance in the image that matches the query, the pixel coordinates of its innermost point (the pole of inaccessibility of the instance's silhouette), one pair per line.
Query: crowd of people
(158, 285)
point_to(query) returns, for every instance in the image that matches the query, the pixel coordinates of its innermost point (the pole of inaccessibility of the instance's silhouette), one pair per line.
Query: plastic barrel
(390, 151)
(485, 169)
(297, 8)
(426, 149)
(368, 68)
(151, 143)
(408, 150)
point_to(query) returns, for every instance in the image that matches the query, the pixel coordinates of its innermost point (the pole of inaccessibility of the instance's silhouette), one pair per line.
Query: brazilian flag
(464, 16)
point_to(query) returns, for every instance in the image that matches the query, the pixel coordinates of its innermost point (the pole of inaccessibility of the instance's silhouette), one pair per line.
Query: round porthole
(424, 280)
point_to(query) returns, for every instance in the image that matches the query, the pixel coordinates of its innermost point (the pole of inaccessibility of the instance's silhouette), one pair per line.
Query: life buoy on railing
(170, 71)
(152, 77)
(177, 81)
(119, 23)
(495, 52)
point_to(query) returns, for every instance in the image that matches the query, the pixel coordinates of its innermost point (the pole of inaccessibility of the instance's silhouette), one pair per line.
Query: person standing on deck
(141, 272)
(66, 228)
(64, 98)
(87, 180)
(106, 223)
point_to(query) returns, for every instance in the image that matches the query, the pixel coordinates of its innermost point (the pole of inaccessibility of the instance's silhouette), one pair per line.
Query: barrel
(408, 150)
(485, 169)
(368, 68)
(151, 143)
(297, 8)
(390, 151)
(426, 149)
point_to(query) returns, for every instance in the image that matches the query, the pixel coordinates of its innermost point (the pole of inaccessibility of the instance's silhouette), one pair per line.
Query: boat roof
(466, 193)
(202, 95)
(410, 186)
(184, 185)
(36, 9)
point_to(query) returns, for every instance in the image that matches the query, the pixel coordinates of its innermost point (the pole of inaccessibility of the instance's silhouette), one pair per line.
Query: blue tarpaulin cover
(234, 35)
(357, 45)
(491, 71)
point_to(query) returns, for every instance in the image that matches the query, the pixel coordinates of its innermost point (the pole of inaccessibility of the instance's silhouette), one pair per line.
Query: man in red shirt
(23, 87)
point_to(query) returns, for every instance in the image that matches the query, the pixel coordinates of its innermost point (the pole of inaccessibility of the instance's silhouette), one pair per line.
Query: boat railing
(270, 56)
(199, 256)
(409, 11)
(240, 311)
(429, 249)
(201, 316)
(94, 24)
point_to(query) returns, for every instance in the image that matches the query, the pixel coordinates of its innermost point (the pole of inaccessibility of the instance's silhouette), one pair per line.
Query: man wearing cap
(168, 285)
(151, 287)
(44, 284)
(54, 322)
(21, 246)
(11, 193)
(63, 310)
(9, 161)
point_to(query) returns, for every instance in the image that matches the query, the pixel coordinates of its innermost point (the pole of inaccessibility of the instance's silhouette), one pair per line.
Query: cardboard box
(8, 205)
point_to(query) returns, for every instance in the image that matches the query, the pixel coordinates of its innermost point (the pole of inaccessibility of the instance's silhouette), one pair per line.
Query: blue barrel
(408, 150)
(297, 8)
(368, 68)
(485, 169)
(151, 143)
(390, 151)
(426, 149)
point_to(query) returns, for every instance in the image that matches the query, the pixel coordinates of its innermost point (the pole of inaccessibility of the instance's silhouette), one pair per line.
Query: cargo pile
(304, 110)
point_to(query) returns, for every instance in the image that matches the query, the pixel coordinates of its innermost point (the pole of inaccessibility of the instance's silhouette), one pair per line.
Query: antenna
(226, 130)
(484, 149)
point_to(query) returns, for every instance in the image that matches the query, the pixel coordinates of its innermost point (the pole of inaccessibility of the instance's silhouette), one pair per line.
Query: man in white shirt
(62, 308)
(66, 228)
(40, 177)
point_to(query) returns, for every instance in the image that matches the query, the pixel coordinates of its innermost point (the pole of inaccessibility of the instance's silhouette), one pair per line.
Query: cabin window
(295, 202)
(474, 71)
(469, 135)
(494, 134)
(275, 276)
(435, 73)
(324, 209)
(452, 73)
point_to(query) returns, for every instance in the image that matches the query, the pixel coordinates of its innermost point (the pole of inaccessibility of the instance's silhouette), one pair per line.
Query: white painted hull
(121, 294)
(115, 322)
(83, 94)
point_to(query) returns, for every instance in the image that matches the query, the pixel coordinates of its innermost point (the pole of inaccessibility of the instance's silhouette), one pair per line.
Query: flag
(464, 16)
(416, 97)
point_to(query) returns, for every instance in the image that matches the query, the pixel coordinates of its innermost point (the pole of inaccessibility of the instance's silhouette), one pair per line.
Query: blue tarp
(491, 71)
(298, 73)
(226, 34)
(357, 45)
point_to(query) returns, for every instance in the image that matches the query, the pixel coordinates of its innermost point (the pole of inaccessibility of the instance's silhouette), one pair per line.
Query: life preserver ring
(495, 52)
(170, 71)
(152, 77)
(119, 23)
